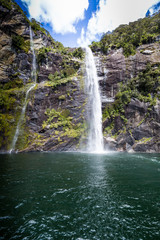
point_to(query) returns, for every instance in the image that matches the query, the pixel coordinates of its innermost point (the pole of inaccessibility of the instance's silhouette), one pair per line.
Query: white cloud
(112, 13)
(83, 41)
(62, 14)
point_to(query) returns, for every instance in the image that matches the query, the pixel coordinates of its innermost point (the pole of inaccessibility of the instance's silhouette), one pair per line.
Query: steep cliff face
(132, 121)
(55, 115)
(55, 107)
(115, 68)
(12, 23)
(130, 77)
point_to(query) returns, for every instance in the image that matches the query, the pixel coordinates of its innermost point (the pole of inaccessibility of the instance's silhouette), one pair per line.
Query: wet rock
(110, 143)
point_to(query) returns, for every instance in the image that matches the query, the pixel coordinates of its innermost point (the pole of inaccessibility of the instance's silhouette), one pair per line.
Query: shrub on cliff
(42, 54)
(78, 53)
(36, 26)
(19, 43)
(147, 81)
(128, 49)
(7, 4)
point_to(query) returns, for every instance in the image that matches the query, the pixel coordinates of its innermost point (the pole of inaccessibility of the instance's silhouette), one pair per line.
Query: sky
(79, 22)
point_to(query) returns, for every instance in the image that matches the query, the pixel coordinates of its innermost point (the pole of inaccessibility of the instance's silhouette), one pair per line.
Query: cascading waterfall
(34, 69)
(33, 75)
(95, 136)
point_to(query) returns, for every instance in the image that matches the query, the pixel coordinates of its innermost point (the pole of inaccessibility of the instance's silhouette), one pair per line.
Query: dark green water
(79, 196)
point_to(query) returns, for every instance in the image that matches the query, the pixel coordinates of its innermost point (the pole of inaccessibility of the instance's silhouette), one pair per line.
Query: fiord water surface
(80, 196)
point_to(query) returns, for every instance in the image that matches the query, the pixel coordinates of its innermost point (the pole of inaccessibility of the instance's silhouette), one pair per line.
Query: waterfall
(95, 136)
(34, 69)
(20, 120)
(33, 76)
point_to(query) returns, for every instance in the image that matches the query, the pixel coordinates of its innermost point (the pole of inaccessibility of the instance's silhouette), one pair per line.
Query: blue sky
(79, 22)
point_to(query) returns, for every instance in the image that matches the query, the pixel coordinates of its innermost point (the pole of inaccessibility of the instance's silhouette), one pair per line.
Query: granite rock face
(63, 131)
(141, 129)
(54, 117)
(114, 68)
(12, 23)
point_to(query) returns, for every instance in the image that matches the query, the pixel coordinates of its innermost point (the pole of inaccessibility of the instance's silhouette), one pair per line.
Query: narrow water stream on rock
(33, 76)
(34, 68)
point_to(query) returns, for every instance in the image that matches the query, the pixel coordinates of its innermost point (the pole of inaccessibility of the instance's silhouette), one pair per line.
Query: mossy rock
(7, 4)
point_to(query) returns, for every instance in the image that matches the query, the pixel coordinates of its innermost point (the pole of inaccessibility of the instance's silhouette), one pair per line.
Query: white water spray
(95, 137)
(33, 75)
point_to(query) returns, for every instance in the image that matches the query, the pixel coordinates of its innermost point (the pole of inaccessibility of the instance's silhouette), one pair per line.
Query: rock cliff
(54, 117)
(131, 121)
(55, 114)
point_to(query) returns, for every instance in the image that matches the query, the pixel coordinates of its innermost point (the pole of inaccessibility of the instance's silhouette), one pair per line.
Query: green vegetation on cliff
(57, 79)
(19, 43)
(66, 62)
(7, 4)
(145, 87)
(56, 65)
(66, 53)
(146, 83)
(63, 124)
(129, 37)
(37, 27)
(78, 53)
(10, 108)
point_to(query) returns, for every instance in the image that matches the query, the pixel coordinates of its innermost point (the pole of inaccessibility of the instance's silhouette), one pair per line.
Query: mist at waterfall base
(79, 196)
